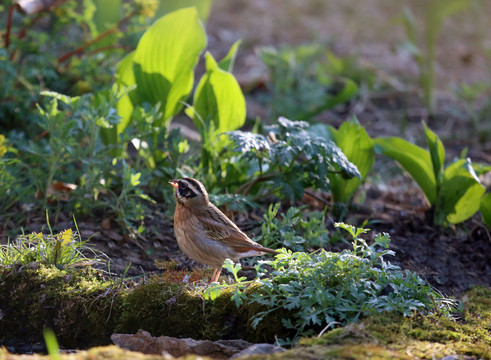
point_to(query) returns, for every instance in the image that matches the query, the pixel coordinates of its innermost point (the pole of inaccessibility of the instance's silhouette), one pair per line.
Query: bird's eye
(183, 185)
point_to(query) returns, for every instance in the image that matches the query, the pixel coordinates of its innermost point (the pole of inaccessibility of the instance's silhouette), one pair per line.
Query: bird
(204, 233)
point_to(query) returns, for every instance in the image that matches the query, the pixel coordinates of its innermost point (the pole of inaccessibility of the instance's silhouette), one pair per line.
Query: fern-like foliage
(290, 159)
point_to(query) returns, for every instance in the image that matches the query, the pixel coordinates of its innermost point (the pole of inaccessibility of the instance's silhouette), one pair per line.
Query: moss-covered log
(78, 304)
(84, 308)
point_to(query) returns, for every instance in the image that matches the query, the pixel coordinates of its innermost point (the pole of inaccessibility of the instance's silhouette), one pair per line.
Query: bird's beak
(174, 183)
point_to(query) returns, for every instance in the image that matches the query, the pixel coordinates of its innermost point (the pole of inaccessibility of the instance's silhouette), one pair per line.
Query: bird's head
(190, 192)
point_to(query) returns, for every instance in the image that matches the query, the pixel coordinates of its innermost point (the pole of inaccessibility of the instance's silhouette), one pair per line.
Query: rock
(143, 342)
(258, 349)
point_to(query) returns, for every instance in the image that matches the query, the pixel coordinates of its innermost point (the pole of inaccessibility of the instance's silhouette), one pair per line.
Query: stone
(258, 349)
(143, 342)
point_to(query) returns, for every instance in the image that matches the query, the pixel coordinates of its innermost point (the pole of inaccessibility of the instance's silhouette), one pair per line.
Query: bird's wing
(220, 228)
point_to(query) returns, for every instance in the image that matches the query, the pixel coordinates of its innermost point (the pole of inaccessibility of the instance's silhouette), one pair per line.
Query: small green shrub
(323, 289)
(294, 231)
(64, 56)
(307, 80)
(61, 250)
(358, 147)
(289, 159)
(485, 209)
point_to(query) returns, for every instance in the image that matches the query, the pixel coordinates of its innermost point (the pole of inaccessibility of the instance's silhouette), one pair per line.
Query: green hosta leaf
(415, 160)
(486, 209)
(460, 194)
(357, 145)
(202, 6)
(218, 98)
(481, 168)
(163, 62)
(124, 78)
(165, 59)
(437, 151)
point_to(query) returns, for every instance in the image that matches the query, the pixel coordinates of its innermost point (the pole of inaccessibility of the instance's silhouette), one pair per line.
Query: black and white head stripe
(190, 188)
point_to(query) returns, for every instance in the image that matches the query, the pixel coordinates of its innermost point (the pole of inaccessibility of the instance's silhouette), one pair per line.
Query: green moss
(75, 303)
(422, 336)
(176, 310)
(100, 353)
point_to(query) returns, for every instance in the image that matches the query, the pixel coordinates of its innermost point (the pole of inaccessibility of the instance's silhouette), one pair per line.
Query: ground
(452, 259)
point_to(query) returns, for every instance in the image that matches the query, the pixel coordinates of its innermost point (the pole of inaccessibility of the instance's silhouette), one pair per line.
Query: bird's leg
(215, 269)
(216, 274)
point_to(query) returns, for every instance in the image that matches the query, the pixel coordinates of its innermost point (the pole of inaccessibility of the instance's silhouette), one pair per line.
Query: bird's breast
(193, 241)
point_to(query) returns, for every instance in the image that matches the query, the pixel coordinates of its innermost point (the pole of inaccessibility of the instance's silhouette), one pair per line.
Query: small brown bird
(204, 233)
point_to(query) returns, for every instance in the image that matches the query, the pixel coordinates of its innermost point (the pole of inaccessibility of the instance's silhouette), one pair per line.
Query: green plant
(454, 192)
(126, 204)
(61, 250)
(159, 151)
(51, 344)
(475, 98)
(218, 106)
(72, 152)
(306, 80)
(72, 127)
(161, 67)
(485, 209)
(323, 289)
(294, 231)
(203, 7)
(289, 159)
(358, 147)
(212, 292)
(31, 61)
(436, 13)
(11, 175)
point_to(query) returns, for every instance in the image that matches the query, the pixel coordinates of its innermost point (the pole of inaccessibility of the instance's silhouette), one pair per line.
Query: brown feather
(220, 228)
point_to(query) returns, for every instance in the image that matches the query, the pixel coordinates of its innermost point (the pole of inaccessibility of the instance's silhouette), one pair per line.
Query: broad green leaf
(124, 78)
(164, 60)
(437, 151)
(414, 159)
(218, 99)
(202, 7)
(460, 194)
(357, 145)
(481, 168)
(486, 209)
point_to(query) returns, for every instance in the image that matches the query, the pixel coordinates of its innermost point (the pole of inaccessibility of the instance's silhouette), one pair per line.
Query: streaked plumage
(204, 233)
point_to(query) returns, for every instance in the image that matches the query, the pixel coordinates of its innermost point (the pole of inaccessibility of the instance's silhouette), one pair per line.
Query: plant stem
(244, 189)
(9, 25)
(101, 36)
